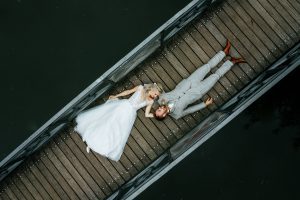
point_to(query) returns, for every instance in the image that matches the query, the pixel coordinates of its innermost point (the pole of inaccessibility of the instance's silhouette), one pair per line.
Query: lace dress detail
(105, 128)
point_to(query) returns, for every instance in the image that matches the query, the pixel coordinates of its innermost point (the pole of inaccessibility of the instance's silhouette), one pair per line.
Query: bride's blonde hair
(151, 86)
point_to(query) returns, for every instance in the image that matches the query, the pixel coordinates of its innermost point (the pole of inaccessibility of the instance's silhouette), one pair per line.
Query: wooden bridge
(260, 31)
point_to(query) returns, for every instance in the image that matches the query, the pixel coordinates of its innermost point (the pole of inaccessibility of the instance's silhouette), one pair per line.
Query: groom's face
(161, 111)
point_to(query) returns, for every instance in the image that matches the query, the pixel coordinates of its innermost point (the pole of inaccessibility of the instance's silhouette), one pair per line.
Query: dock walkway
(260, 31)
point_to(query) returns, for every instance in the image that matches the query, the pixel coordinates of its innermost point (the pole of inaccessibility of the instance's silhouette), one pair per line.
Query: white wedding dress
(105, 128)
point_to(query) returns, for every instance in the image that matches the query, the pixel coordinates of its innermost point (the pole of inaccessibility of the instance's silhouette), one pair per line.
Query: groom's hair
(158, 117)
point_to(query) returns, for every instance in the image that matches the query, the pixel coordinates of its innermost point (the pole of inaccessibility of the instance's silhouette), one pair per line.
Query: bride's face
(153, 94)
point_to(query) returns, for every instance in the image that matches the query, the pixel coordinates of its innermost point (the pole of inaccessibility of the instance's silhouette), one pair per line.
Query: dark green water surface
(51, 50)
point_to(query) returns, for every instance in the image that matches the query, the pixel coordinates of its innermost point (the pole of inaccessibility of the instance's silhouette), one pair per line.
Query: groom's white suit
(194, 87)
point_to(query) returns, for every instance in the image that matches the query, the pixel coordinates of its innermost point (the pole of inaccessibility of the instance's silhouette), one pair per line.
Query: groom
(175, 103)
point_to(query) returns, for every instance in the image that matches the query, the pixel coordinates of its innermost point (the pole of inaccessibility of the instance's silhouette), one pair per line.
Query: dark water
(256, 156)
(51, 50)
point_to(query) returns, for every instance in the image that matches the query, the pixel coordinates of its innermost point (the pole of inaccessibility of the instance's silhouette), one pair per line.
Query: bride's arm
(124, 93)
(148, 109)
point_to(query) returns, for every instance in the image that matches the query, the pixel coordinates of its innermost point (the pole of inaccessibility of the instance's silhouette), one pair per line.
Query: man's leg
(202, 71)
(210, 81)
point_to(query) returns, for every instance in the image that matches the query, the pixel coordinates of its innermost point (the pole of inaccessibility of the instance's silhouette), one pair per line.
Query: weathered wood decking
(259, 30)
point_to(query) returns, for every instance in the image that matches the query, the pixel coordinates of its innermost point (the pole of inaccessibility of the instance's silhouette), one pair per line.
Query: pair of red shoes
(233, 59)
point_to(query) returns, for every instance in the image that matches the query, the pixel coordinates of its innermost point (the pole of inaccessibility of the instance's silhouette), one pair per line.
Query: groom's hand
(209, 101)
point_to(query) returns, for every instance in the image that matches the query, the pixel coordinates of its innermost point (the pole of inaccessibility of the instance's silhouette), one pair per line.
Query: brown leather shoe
(227, 47)
(237, 60)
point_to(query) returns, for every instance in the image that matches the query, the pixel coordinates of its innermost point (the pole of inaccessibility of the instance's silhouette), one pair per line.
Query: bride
(105, 128)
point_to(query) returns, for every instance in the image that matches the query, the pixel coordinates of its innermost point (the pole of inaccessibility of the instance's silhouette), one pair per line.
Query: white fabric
(105, 128)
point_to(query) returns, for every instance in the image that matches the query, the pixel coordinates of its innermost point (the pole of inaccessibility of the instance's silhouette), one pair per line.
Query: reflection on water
(280, 108)
(51, 50)
(256, 156)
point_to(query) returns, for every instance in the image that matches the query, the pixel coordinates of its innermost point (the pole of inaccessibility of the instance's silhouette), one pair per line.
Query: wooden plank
(244, 52)
(185, 61)
(184, 73)
(260, 31)
(231, 79)
(160, 143)
(171, 70)
(138, 151)
(150, 151)
(118, 177)
(37, 173)
(132, 145)
(28, 184)
(197, 61)
(164, 126)
(163, 129)
(3, 195)
(275, 26)
(113, 182)
(151, 124)
(116, 168)
(244, 71)
(221, 93)
(175, 76)
(14, 188)
(64, 172)
(168, 84)
(132, 157)
(178, 66)
(146, 133)
(202, 54)
(9, 192)
(138, 164)
(74, 169)
(285, 15)
(50, 178)
(291, 9)
(73, 165)
(98, 173)
(212, 93)
(126, 164)
(225, 81)
(284, 24)
(123, 165)
(253, 24)
(255, 17)
(64, 183)
(295, 4)
(35, 183)
(252, 49)
(21, 187)
(252, 37)
(150, 75)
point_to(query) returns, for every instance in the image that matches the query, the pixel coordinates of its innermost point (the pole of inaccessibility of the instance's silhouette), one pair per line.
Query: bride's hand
(112, 97)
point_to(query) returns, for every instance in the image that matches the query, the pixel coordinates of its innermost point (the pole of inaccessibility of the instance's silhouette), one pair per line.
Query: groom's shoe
(227, 47)
(237, 60)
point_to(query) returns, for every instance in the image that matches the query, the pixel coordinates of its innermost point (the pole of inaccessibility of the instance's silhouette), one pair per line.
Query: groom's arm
(197, 107)
(193, 109)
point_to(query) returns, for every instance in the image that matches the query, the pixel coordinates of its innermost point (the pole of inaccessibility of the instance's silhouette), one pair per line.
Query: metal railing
(208, 127)
(99, 87)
